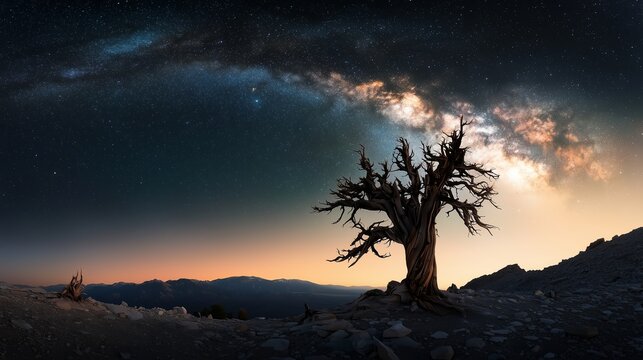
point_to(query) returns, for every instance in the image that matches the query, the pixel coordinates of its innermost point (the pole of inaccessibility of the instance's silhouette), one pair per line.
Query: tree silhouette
(442, 179)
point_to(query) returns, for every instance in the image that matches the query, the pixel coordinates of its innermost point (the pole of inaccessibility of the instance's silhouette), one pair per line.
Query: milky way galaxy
(126, 125)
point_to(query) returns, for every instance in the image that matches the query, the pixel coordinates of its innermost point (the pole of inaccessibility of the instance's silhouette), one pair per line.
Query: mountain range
(259, 297)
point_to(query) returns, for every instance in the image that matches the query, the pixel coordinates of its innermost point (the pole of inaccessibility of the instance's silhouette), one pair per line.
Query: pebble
(440, 335)
(442, 353)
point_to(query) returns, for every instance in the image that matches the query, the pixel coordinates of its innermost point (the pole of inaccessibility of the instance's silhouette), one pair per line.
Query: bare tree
(412, 202)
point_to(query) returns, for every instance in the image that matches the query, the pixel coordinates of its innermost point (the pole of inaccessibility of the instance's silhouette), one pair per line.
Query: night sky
(143, 140)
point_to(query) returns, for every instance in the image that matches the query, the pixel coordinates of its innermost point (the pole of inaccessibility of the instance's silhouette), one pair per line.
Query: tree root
(74, 289)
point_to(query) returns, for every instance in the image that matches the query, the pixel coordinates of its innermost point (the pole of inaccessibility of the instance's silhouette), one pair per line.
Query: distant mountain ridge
(260, 297)
(603, 263)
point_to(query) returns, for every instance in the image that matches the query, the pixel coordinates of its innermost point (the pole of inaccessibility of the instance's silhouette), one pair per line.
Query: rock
(403, 293)
(180, 310)
(440, 335)
(498, 339)
(384, 352)
(530, 337)
(391, 286)
(276, 344)
(539, 293)
(549, 355)
(414, 307)
(452, 289)
(125, 356)
(362, 342)
(396, 331)
(21, 324)
(134, 315)
(442, 353)
(339, 334)
(582, 331)
(475, 342)
(595, 244)
(123, 303)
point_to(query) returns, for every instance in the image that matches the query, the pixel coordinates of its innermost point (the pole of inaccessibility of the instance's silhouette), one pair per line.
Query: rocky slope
(602, 264)
(600, 324)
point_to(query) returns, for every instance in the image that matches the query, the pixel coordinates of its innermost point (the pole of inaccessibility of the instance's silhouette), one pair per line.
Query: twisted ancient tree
(412, 201)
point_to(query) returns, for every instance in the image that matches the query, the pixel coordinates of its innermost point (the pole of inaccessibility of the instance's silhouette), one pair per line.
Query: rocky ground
(604, 322)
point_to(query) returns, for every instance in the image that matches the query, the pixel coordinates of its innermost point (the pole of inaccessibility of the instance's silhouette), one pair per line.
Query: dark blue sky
(124, 110)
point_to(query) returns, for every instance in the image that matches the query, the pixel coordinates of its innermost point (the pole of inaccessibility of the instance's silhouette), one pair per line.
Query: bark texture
(411, 202)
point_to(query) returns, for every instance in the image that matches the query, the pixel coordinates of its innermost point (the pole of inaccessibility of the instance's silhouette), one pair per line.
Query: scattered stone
(442, 353)
(498, 339)
(396, 331)
(277, 344)
(21, 324)
(582, 331)
(475, 342)
(440, 335)
(384, 352)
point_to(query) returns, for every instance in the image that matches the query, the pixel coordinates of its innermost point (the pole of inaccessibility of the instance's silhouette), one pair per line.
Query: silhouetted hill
(260, 297)
(603, 263)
